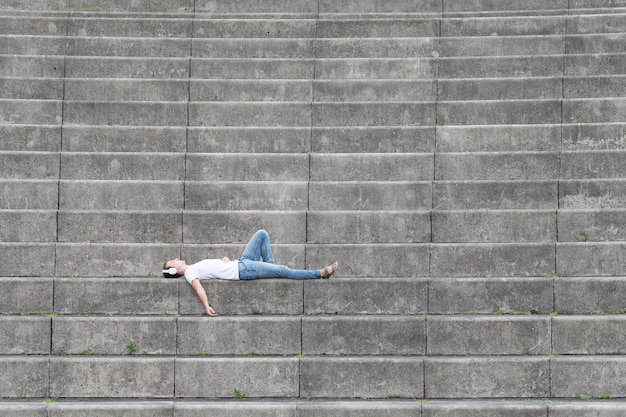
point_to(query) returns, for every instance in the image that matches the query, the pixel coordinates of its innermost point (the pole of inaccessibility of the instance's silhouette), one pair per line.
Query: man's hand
(225, 259)
(211, 312)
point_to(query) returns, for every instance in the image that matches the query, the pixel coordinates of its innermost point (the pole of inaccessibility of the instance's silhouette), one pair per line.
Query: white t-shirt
(212, 269)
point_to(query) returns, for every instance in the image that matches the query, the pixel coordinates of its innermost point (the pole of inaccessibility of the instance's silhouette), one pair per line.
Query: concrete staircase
(462, 160)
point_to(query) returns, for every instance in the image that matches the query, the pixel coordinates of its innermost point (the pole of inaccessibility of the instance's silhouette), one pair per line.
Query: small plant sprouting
(605, 396)
(585, 397)
(584, 235)
(132, 348)
(238, 394)
(86, 352)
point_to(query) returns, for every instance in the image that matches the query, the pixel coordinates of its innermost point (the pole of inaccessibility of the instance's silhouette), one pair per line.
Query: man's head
(174, 268)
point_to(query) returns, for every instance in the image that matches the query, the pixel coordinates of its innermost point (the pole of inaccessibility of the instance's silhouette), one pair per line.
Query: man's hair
(167, 274)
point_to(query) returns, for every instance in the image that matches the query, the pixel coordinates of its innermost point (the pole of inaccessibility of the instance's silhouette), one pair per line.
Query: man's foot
(329, 270)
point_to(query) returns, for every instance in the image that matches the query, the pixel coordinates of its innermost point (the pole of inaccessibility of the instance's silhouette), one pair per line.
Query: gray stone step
(110, 113)
(493, 260)
(38, 112)
(502, 66)
(592, 194)
(35, 89)
(497, 195)
(29, 165)
(590, 225)
(599, 86)
(125, 90)
(486, 112)
(252, 68)
(32, 66)
(122, 166)
(37, 194)
(376, 68)
(592, 164)
(499, 138)
(120, 195)
(118, 226)
(392, 408)
(594, 64)
(593, 136)
(455, 46)
(370, 195)
(28, 225)
(126, 67)
(501, 89)
(594, 110)
(495, 226)
(105, 26)
(375, 139)
(487, 7)
(97, 139)
(590, 259)
(498, 166)
(504, 26)
(368, 226)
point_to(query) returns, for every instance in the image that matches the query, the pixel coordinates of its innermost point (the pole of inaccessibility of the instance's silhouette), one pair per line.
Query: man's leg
(259, 270)
(259, 247)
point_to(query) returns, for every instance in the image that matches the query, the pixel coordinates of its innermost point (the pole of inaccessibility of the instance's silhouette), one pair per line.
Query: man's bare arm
(199, 289)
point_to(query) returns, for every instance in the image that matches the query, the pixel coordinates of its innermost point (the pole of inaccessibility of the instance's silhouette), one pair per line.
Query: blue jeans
(257, 262)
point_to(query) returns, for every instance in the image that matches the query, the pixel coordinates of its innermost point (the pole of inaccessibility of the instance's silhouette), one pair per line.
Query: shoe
(329, 270)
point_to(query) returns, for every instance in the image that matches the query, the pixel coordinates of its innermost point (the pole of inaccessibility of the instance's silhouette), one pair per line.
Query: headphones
(171, 271)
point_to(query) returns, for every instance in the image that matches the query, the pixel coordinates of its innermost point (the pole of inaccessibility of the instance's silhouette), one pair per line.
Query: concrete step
(585, 259)
(226, 139)
(482, 7)
(592, 194)
(370, 195)
(504, 26)
(312, 377)
(29, 165)
(344, 296)
(374, 139)
(496, 195)
(33, 89)
(374, 90)
(28, 225)
(122, 166)
(499, 138)
(501, 89)
(501, 66)
(21, 194)
(593, 136)
(376, 68)
(126, 67)
(32, 66)
(498, 166)
(128, 90)
(494, 226)
(493, 259)
(245, 195)
(120, 195)
(594, 110)
(595, 43)
(392, 408)
(111, 113)
(37, 112)
(590, 225)
(129, 139)
(594, 64)
(252, 68)
(458, 46)
(127, 47)
(485, 112)
(360, 227)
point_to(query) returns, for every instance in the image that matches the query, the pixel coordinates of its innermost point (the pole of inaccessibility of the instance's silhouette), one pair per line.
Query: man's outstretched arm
(199, 289)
